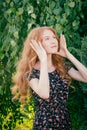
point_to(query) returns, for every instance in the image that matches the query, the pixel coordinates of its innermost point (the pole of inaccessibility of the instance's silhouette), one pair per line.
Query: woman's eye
(47, 38)
(54, 37)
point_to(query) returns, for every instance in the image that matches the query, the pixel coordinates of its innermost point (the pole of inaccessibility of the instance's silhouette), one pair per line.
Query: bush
(17, 18)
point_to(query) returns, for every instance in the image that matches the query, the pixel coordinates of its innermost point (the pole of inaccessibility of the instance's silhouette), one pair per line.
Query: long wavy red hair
(27, 61)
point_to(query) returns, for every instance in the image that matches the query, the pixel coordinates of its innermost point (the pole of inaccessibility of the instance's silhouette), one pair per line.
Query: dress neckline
(52, 72)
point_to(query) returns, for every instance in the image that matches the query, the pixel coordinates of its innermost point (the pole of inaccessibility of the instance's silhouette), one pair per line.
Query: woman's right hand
(38, 48)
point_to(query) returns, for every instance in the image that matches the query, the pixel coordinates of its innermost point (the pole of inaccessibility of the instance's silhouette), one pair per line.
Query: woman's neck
(49, 60)
(50, 65)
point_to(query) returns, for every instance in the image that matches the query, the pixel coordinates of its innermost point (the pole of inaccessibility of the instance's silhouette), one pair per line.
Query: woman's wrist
(44, 60)
(68, 55)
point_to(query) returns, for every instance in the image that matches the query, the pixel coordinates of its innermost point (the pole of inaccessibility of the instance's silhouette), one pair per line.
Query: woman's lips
(53, 46)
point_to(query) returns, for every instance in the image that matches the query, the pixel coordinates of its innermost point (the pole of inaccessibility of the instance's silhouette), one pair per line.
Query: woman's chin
(54, 51)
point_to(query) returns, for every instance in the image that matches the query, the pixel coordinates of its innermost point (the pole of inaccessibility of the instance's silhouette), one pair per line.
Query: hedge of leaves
(17, 18)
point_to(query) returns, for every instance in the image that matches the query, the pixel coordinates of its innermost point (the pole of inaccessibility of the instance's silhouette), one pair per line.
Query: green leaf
(29, 25)
(33, 16)
(68, 12)
(1, 54)
(16, 34)
(75, 23)
(30, 9)
(12, 4)
(20, 11)
(1, 90)
(57, 11)
(52, 4)
(59, 28)
(13, 43)
(16, 1)
(71, 4)
(8, 1)
(83, 55)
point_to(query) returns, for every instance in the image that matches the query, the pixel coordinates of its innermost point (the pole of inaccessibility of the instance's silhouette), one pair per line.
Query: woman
(48, 77)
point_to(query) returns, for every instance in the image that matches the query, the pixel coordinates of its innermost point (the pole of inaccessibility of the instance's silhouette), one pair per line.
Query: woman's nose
(53, 41)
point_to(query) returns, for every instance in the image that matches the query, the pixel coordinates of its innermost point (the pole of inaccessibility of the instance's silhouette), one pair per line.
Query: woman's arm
(41, 86)
(81, 73)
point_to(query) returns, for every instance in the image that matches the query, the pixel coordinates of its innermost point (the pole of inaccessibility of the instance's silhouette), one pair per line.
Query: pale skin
(44, 51)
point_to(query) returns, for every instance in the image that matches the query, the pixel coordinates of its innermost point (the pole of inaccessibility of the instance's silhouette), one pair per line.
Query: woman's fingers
(37, 47)
(35, 44)
(63, 49)
(41, 46)
(62, 40)
(32, 46)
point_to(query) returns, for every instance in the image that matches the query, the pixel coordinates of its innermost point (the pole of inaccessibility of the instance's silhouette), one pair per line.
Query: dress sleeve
(68, 65)
(33, 74)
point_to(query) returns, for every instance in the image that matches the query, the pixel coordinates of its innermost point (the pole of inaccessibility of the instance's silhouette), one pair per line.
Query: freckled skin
(49, 42)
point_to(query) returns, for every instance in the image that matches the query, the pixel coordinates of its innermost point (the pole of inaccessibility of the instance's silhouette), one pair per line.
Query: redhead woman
(43, 70)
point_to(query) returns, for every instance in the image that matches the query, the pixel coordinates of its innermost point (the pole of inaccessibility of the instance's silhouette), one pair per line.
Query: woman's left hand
(63, 48)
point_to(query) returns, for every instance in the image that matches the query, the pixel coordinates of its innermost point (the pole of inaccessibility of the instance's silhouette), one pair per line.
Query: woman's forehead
(47, 32)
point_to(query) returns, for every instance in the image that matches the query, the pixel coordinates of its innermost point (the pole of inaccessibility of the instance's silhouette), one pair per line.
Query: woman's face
(49, 42)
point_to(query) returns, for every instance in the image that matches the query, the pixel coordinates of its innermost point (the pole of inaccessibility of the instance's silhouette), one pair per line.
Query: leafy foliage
(17, 18)
(83, 57)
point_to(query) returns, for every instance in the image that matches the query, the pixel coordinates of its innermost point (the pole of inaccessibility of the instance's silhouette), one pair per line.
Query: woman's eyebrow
(48, 36)
(45, 36)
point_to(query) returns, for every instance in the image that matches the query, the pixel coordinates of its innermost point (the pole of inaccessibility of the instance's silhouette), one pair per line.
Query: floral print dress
(52, 113)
